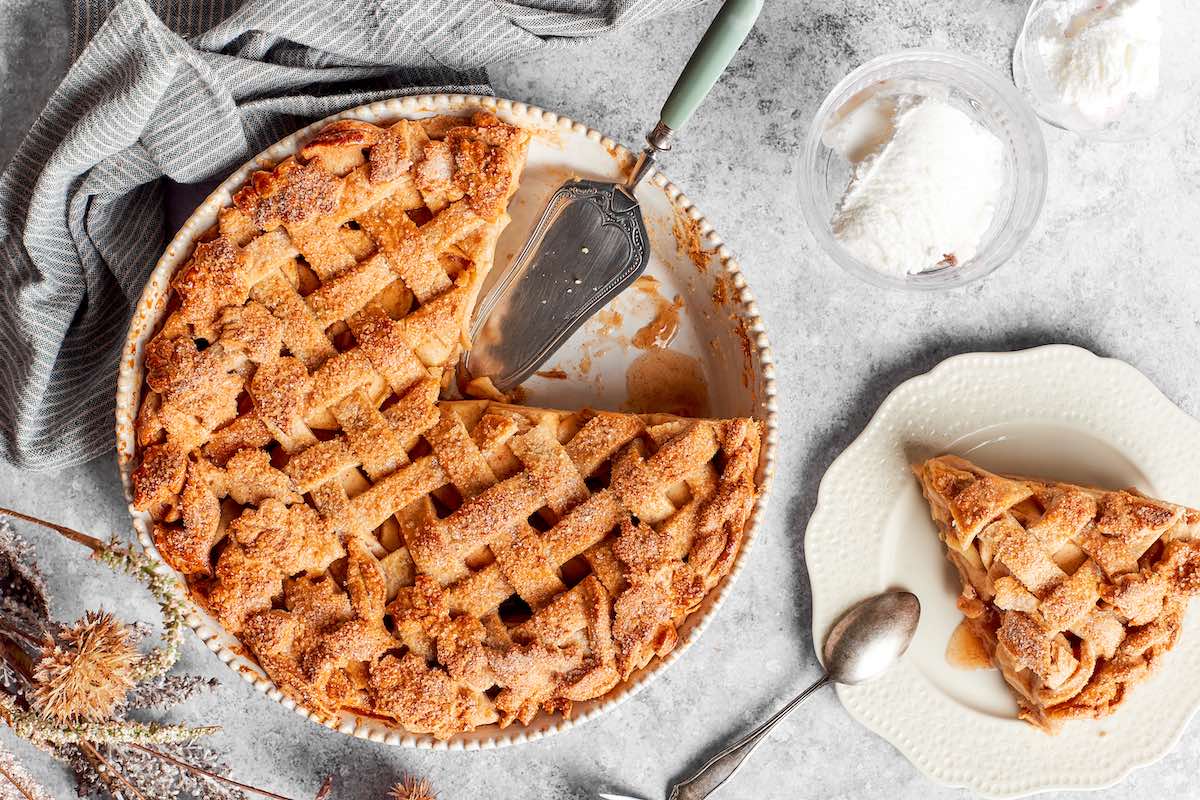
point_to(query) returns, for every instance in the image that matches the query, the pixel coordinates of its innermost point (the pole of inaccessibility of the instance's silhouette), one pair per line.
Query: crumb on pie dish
(437, 564)
(1076, 593)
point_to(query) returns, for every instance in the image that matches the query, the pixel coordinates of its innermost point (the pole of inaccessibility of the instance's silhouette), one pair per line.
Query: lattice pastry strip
(1074, 591)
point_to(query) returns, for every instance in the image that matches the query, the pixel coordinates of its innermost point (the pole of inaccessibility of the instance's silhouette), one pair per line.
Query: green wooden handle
(722, 39)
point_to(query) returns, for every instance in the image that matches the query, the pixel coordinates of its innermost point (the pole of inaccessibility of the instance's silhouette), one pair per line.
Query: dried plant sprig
(82, 538)
(24, 604)
(119, 557)
(167, 691)
(124, 758)
(15, 782)
(21, 582)
(40, 730)
(86, 671)
(189, 769)
(154, 777)
(412, 788)
(211, 775)
(112, 778)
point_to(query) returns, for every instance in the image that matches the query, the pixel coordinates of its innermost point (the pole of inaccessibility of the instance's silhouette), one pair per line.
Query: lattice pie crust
(438, 564)
(1076, 592)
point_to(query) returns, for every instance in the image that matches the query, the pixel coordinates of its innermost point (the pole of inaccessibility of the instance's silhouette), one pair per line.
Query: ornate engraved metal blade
(588, 246)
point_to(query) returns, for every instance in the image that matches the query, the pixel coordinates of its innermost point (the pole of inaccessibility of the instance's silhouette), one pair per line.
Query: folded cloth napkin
(188, 90)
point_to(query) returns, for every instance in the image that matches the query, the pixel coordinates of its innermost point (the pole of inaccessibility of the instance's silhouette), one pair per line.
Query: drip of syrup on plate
(965, 650)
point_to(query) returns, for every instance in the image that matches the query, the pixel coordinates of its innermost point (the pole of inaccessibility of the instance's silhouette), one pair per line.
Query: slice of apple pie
(1076, 592)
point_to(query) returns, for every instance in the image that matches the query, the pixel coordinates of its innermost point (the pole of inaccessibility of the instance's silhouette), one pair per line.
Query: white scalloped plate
(719, 326)
(1055, 411)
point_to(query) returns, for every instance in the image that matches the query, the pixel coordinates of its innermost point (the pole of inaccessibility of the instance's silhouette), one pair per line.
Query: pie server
(591, 242)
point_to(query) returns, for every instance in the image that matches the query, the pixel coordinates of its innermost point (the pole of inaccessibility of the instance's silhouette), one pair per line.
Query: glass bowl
(1140, 117)
(985, 96)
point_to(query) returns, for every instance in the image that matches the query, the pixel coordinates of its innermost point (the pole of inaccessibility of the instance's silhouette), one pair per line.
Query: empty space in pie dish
(914, 558)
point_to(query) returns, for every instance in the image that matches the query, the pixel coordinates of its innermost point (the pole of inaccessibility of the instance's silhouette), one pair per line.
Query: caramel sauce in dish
(689, 240)
(965, 650)
(661, 329)
(666, 381)
(609, 321)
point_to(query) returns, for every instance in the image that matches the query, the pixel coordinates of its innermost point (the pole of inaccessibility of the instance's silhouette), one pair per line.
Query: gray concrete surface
(1112, 267)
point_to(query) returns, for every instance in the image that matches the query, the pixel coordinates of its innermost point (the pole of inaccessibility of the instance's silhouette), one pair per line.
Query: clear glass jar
(1138, 116)
(984, 95)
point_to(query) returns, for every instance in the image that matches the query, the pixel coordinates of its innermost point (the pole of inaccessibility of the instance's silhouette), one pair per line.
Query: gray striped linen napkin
(171, 92)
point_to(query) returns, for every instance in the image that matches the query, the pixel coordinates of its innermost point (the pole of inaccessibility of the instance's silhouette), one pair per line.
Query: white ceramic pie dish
(1054, 411)
(719, 326)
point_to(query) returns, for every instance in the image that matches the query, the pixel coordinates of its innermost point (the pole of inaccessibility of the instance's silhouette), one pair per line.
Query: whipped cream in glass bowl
(923, 170)
(1112, 70)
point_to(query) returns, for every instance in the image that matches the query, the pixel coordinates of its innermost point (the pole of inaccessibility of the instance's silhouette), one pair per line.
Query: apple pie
(438, 564)
(1075, 592)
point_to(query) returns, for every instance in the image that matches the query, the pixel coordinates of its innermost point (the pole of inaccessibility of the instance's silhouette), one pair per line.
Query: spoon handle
(722, 766)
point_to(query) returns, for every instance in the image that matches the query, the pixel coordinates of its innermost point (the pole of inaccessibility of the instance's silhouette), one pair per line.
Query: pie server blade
(588, 246)
(591, 241)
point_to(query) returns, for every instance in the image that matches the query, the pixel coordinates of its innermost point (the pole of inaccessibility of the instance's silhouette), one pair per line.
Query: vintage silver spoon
(863, 645)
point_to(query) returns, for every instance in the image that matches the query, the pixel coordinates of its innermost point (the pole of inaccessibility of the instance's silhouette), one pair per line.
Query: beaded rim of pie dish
(148, 315)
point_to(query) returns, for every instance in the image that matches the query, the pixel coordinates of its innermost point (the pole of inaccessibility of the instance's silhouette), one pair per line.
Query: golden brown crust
(1076, 592)
(442, 565)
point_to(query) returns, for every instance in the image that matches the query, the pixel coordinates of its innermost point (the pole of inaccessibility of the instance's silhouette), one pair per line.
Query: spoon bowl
(870, 637)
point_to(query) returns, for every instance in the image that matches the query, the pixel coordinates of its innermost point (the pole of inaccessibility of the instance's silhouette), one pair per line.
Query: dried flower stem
(120, 558)
(4, 774)
(82, 538)
(201, 771)
(107, 772)
(38, 729)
